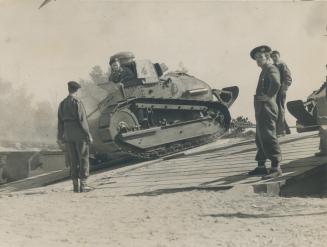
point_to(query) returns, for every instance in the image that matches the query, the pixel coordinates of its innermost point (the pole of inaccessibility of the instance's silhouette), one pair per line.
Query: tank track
(178, 146)
(172, 148)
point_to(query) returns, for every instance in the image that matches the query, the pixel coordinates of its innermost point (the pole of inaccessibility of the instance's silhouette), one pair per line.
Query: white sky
(43, 49)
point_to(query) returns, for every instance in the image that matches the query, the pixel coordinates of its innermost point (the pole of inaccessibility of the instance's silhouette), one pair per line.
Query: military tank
(157, 113)
(313, 112)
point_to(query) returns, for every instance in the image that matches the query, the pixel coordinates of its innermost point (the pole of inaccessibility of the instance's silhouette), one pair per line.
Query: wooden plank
(34, 182)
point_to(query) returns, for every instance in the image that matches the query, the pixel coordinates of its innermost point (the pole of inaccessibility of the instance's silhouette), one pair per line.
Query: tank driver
(120, 73)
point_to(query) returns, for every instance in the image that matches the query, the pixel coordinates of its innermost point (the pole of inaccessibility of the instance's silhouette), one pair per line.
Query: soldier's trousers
(266, 138)
(282, 126)
(2, 166)
(78, 155)
(323, 140)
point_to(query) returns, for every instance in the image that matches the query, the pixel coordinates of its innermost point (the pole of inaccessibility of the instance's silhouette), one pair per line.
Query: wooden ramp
(222, 166)
(216, 166)
(55, 174)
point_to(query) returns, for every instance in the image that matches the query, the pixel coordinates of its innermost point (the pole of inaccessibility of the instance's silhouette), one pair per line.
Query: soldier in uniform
(73, 131)
(3, 159)
(119, 73)
(286, 81)
(323, 141)
(322, 120)
(266, 114)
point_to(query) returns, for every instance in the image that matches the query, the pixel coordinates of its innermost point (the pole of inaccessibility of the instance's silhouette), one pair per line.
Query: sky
(42, 49)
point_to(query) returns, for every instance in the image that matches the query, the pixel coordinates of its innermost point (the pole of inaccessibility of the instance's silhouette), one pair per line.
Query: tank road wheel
(123, 121)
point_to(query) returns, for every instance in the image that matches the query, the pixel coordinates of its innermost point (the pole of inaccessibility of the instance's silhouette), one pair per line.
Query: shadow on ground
(257, 216)
(177, 190)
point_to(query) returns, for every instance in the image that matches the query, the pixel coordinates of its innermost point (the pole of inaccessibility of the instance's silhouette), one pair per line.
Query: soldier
(73, 130)
(322, 120)
(286, 81)
(119, 73)
(323, 141)
(266, 113)
(3, 160)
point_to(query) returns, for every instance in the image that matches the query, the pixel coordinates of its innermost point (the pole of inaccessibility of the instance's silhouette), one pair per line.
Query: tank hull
(149, 128)
(157, 114)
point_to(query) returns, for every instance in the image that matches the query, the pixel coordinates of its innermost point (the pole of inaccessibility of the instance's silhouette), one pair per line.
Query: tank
(157, 113)
(312, 113)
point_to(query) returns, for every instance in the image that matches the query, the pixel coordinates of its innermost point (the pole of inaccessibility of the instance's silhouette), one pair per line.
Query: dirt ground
(54, 216)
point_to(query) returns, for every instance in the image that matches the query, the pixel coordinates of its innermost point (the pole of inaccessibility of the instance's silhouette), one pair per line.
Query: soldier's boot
(84, 186)
(275, 172)
(321, 154)
(261, 169)
(3, 180)
(75, 186)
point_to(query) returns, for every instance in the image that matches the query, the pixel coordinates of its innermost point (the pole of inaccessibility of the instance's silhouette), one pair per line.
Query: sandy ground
(54, 216)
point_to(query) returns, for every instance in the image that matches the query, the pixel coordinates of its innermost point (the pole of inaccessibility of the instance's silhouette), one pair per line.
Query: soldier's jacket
(285, 75)
(322, 106)
(72, 121)
(266, 92)
(323, 139)
(123, 75)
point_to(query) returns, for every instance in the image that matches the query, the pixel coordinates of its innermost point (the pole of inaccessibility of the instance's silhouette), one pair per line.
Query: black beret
(74, 84)
(262, 48)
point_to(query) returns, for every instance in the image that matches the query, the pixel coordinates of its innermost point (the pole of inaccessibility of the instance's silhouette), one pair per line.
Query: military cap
(74, 84)
(262, 49)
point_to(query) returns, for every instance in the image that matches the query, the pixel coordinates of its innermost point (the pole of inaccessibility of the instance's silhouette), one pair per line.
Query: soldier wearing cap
(120, 73)
(266, 114)
(286, 81)
(73, 131)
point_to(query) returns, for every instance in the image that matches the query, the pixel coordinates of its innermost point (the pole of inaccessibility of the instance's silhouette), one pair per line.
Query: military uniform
(323, 141)
(322, 120)
(286, 81)
(73, 130)
(3, 160)
(266, 114)
(122, 75)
